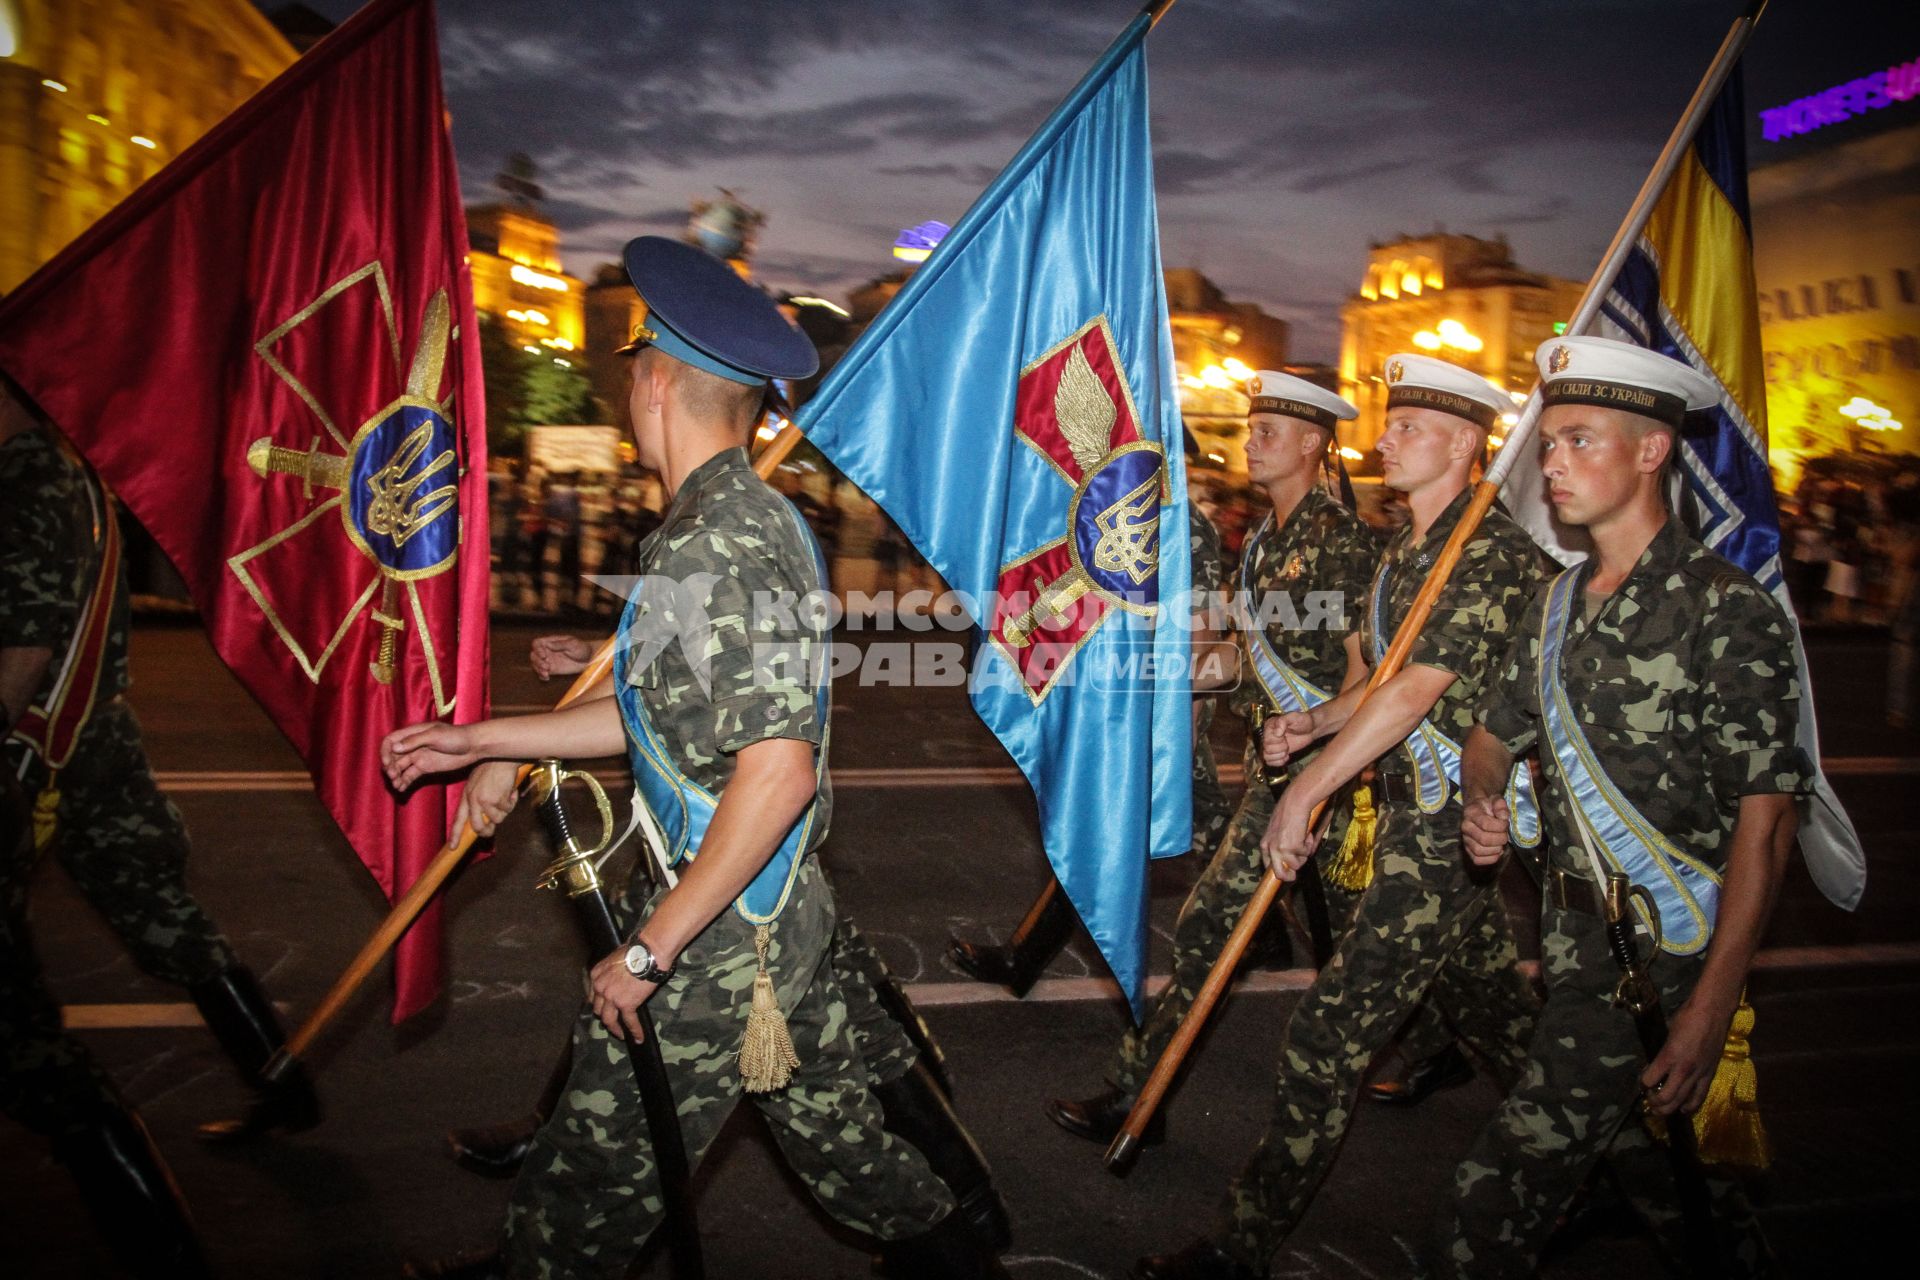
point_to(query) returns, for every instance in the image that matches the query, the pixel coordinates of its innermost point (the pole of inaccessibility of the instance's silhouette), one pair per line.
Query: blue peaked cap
(700, 311)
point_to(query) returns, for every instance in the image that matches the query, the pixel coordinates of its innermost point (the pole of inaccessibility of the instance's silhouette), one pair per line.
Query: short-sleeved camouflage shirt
(1686, 684)
(1467, 633)
(1206, 555)
(50, 557)
(739, 557)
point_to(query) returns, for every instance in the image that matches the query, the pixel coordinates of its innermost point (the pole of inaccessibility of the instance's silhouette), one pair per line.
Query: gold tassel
(1728, 1125)
(1352, 867)
(767, 1058)
(46, 813)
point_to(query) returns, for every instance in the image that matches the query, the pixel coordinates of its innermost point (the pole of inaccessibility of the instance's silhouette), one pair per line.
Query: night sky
(1287, 135)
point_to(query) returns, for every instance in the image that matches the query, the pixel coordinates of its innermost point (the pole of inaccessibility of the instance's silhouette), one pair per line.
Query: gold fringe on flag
(767, 1058)
(1728, 1124)
(1352, 867)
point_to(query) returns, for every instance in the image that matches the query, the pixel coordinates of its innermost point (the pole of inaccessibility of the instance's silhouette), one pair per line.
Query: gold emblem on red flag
(394, 487)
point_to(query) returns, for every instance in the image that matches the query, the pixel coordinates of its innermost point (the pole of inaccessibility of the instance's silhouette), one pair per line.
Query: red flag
(270, 351)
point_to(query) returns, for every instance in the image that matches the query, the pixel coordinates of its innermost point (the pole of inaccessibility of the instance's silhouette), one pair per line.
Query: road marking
(105, 1017)
(237, 780)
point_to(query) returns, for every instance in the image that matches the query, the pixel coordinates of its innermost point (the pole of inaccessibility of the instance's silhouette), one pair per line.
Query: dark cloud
(1314, 125)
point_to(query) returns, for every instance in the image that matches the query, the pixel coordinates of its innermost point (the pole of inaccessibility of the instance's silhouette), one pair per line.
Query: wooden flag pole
(1126, 1144)
(421, 891)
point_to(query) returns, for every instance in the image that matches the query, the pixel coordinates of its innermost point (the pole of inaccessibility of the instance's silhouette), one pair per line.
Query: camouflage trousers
(1428, 928)
(124, 845)
(1208, 918)
(1577, 1102)
(589, 1194)
(1211, 812)
(884, 1047)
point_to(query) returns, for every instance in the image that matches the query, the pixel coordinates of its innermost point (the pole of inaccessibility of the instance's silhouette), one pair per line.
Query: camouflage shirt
(736, 549)
(50, 558)
(1208, 559)
(1467, 632)
(1309, 584)
(1686, 686)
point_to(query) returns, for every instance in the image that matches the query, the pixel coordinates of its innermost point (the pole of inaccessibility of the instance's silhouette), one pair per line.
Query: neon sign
(1843, 101)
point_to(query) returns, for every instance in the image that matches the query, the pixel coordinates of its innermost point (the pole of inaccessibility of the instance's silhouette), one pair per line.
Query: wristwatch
(641, 964)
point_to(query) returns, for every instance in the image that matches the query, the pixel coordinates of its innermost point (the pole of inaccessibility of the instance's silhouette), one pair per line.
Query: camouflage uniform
(117, 834)
(1686, 686)
(1321, 547)
(1426, 924)
(588, 1195)
(1211, 812)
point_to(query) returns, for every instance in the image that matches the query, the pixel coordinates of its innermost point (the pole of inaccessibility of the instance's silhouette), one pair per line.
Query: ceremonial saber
(1126, 1144)
(410, 904)
(576, 872)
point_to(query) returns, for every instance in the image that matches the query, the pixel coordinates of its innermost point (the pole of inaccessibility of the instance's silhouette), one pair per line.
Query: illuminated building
(1836, 255)
(1457, 297)
(612, 310)
(95, 98)
(518, 280)
(1217, 345)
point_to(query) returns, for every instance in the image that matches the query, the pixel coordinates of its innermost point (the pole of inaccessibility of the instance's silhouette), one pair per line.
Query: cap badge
(1559, 360)
(1253, 388)
(1395, 371)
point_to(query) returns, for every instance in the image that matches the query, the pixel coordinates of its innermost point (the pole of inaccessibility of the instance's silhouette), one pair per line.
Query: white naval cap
(1422, 382)
(1274, 392)
(1619, 375)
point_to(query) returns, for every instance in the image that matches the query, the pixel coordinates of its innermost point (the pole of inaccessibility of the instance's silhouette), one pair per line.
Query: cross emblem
(1074, 408)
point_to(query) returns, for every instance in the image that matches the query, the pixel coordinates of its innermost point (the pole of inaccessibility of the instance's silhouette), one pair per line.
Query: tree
(504, 367)
(552, 394)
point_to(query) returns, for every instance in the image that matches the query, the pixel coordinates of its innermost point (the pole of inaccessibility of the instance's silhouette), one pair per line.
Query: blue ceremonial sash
(682, 807)
(1436, 757)
(1686, 892)
(1279, 679)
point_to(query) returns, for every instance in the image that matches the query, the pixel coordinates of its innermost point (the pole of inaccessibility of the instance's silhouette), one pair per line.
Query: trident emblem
(396, 487)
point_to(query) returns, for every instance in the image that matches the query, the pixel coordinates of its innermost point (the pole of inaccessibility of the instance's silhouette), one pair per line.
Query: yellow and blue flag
(1013, 410)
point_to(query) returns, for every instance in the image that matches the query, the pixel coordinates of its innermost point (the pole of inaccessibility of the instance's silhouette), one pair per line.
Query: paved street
(932, 833)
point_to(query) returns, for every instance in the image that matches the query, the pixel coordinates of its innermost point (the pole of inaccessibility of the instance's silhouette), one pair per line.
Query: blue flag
(1013, 410)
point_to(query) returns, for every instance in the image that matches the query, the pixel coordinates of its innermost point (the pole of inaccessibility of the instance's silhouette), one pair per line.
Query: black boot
(950, 1251)
(1099, 1118)
(132, 1196)
(498, 1150)
(915, 1109)
(1019, 964)
(1200, 1260)
(244, 1022)
(1447, 1069)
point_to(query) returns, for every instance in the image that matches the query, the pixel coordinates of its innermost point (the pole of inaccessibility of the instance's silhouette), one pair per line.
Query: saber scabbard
(1639, 997)
(576, 871)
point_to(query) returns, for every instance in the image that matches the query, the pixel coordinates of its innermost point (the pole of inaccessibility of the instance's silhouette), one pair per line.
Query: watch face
(638, 959)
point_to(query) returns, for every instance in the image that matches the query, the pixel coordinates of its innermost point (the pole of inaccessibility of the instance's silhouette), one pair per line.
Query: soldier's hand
(617, 995)
(492, 791)
(1483, 829)
(1287, 844)
(419, 749)
(559, 656)
(1284, 736)
(1677, 1078)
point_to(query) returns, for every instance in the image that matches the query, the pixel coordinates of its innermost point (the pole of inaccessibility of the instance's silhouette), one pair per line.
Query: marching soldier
(78, 769)
(1303, 572)
(1018, 963)
(1426, 926)
(723, 709)
(904, 1064)
(1659, 684)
